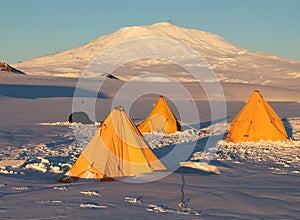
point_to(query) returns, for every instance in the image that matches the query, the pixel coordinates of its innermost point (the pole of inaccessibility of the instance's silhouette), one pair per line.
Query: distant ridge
(230, 62)
(4, 67)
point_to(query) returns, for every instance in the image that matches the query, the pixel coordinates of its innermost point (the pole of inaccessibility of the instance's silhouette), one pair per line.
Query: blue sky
(34, 28)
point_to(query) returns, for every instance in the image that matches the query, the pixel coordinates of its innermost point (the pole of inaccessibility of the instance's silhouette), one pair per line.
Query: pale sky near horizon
(35, 28)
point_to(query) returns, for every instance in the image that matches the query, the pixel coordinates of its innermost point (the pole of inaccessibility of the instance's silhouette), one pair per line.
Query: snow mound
(281, 157)
(11, 163)
(201, 166)
(59, 123)
(160, 139)
(44, 158)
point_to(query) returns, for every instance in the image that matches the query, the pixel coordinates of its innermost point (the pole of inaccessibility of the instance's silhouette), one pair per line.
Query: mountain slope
(231, 63)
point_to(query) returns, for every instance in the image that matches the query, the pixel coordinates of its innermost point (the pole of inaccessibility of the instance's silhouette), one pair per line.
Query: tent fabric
(117, 149)
(256, 121)
(160, 119)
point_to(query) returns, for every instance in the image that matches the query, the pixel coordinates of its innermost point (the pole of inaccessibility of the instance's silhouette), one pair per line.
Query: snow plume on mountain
(231, 63)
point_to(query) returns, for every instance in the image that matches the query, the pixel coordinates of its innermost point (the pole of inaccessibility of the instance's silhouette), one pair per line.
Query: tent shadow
(172, 155)
(200, 145)
(207, 142)
(208, 123)
(220, 164)
(188, 170)
(45, 91)
(288, 127)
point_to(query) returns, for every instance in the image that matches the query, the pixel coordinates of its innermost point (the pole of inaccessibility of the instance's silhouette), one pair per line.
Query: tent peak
(119, 108)
(258, 93)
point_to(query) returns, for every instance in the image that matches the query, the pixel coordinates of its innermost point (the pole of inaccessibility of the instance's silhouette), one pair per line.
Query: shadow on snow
(45, 91)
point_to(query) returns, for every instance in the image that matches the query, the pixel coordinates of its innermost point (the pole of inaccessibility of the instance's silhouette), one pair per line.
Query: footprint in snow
(91, 193)
(92, 205)
(134, 200)
(50, 202)
(21, 188)
(159, 208)
(3, 210)
(61, 188)
(166, 209)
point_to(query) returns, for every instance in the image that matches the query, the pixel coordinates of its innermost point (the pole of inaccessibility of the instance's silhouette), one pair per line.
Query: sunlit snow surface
(281, 157)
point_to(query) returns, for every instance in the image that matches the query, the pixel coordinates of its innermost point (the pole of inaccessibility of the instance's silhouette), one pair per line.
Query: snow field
(280, 157)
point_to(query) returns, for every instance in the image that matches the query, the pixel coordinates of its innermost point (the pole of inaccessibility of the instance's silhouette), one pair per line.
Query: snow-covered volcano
(231, 63)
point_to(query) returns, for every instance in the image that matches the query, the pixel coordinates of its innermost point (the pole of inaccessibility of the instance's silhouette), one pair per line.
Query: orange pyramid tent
(117, 149)
(256, 121)
(160, 119)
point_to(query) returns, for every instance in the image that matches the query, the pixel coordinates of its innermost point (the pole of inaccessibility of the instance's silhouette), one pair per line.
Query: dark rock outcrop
(110, 76)
(80, 117)
(4, 67)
